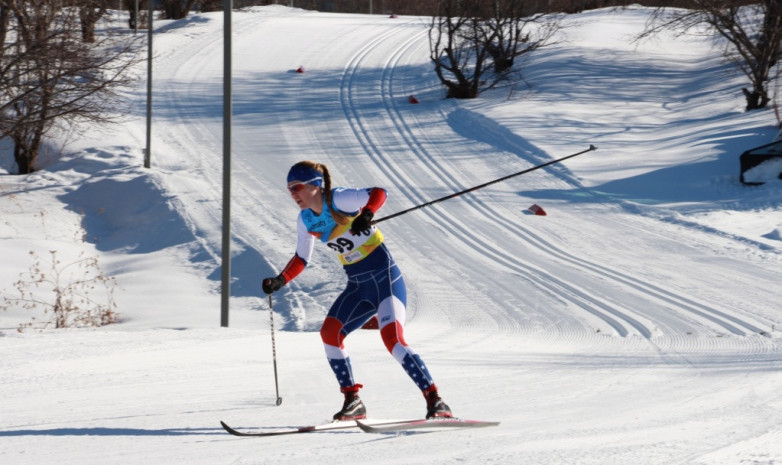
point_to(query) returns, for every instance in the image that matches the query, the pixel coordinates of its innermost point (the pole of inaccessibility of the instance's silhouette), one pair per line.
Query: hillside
(637, 322)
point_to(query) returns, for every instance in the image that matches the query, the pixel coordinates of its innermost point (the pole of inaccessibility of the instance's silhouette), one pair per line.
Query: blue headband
(305, 174)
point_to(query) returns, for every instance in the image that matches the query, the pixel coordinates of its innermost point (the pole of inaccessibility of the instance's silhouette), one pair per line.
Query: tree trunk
(5, 18)
(756, 100)
(177, 9)
(88, 31)
(461, 90)
(88, 17)
(24, 157)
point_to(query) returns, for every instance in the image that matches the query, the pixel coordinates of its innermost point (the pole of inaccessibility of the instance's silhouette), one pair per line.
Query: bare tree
(474, 43)
(508, 31)
(752, 32)
(53, 79)
(458, 62)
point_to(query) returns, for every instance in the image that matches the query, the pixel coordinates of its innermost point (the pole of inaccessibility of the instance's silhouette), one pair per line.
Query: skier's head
(306, 172)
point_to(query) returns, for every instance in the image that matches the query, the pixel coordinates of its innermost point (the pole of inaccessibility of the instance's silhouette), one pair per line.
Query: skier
(342, 219)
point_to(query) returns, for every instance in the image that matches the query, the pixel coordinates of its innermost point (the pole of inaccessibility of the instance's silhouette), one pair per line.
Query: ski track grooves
(192, 128)
(721, 318)
(347, 89)
(619, 319)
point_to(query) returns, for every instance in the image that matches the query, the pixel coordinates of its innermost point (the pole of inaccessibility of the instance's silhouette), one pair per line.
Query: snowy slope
(638, 322)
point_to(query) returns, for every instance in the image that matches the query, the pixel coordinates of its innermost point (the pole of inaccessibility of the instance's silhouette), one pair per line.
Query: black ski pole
(274, 351)
(394, 215)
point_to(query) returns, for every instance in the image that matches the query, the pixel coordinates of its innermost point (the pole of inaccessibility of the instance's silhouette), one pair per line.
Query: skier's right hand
(274, 284)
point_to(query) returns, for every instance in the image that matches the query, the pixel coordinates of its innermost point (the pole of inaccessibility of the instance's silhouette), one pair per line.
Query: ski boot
(435, 407)
(353, 408)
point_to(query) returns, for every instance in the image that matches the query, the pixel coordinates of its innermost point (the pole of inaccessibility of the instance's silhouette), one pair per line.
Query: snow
(637, 322)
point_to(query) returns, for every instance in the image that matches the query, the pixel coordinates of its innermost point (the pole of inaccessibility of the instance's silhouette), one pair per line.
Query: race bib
(351, 249)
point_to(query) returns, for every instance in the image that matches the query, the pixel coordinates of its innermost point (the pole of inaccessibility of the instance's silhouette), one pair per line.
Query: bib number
(341, 245)
(349, 247)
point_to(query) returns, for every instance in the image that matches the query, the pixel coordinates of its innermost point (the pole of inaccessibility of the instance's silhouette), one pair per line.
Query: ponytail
(338, 216)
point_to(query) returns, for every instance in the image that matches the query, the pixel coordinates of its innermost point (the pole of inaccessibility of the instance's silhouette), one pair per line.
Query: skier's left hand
(274, 284)
(362, 222)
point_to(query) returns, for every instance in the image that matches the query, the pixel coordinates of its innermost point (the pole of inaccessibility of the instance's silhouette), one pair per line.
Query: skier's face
(305, 195)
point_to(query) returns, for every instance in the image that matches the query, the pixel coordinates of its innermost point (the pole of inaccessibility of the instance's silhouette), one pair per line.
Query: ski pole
(274, 351)
(481, 186)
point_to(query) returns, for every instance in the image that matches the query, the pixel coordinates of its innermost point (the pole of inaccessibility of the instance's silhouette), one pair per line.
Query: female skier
(342, 219)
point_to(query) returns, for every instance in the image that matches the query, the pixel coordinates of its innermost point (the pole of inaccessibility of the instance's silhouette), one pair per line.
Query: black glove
(274, 284)
(362, 222)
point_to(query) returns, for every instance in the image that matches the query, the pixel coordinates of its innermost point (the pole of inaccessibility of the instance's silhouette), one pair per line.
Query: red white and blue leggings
(375, 287)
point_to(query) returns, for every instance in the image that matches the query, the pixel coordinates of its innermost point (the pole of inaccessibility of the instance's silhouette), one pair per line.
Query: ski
(336, 425)
(301, 429)
(432, 423)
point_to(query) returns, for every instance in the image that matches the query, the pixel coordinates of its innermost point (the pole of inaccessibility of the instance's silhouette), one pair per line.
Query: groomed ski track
(358, 121)
(619, 329)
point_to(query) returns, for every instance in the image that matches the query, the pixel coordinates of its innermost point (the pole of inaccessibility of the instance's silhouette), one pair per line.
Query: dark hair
(338, 216)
